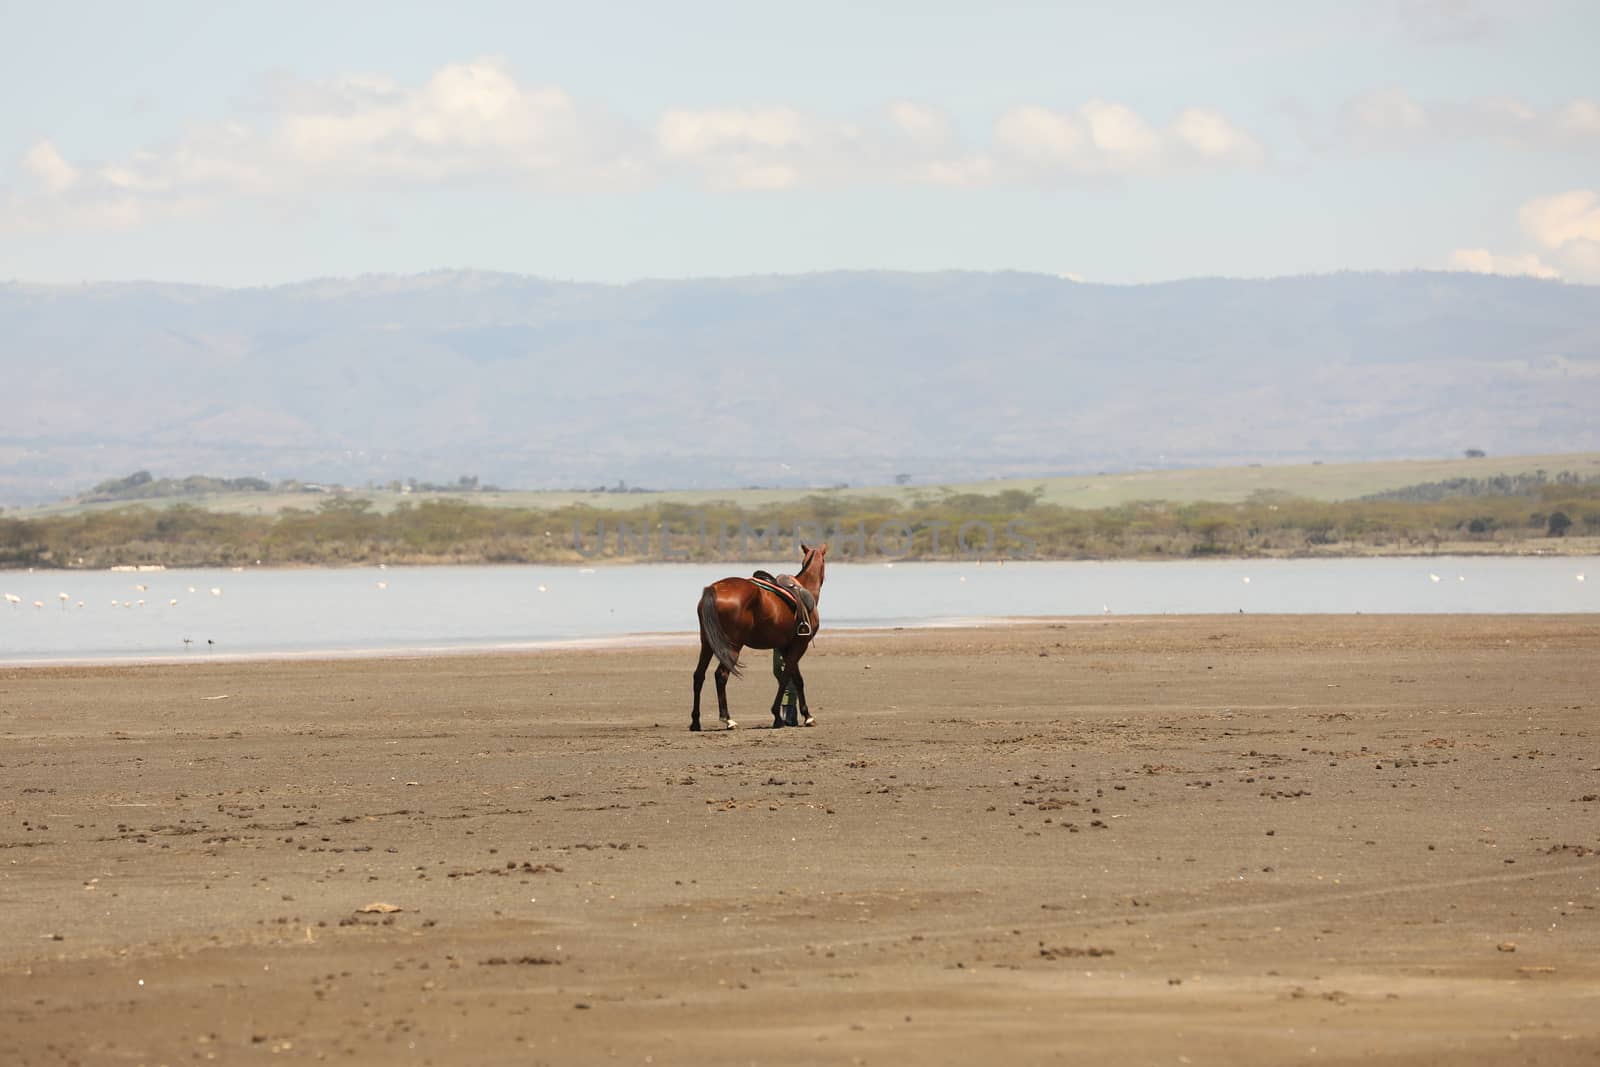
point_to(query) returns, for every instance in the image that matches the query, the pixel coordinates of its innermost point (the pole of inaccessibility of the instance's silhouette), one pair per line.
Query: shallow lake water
(105, 616)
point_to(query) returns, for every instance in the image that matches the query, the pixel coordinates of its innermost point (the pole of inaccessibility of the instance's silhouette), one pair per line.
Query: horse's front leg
(800, 698)
(781, 673)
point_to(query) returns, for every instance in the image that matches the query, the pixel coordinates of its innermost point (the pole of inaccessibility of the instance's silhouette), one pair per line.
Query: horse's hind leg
(722, 698)
(699, 680)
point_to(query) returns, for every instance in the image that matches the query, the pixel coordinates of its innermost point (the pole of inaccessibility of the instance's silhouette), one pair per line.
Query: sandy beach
(1206, 840)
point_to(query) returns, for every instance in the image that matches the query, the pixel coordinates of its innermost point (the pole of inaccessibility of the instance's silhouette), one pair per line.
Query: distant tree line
(1496, 485)
(346, 530)
(142, 485)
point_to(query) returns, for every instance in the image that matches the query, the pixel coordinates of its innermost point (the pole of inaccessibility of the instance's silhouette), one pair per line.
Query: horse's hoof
(695, 727)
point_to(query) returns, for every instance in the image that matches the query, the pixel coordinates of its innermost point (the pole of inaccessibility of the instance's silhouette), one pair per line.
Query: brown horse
(736, 613)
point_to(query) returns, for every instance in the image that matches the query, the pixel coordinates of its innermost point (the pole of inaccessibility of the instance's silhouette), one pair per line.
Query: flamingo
(63, 597)
(13, 599)
(38, 603)
(216, 590)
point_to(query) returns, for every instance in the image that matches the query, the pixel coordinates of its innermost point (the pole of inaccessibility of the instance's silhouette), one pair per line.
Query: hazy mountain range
(813, 379)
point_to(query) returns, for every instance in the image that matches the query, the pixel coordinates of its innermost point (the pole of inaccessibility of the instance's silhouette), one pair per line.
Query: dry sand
(1209, 840)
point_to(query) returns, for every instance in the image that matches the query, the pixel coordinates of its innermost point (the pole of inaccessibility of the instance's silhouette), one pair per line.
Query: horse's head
(814, 564)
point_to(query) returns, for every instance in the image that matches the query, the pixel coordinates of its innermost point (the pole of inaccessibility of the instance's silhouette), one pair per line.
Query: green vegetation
(1498, 485)
(1011, 522)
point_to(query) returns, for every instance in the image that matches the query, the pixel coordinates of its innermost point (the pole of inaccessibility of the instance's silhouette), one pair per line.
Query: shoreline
(646, 641)
(643, 640)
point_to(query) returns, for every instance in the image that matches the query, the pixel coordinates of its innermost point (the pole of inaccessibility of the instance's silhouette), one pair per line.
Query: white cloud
(1214, 138)
(476, 123)
(1558, 220)
(1102, 139)
(1120, 134)
(45, 163)
(1566, 230)
(925, 126)
(1037, 134)
(1568, 226)
(1482, 261)
(1390, 119)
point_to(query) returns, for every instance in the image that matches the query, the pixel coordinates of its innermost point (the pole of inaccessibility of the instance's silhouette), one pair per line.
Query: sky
(259, 144)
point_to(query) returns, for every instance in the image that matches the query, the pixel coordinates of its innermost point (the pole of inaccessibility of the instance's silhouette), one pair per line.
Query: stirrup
(803, 629)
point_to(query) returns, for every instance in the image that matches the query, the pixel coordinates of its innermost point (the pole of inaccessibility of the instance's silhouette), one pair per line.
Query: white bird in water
(191, 589)
(1433, 577)
(216, 590)
(38, 603)
(382, 585)
(142, 588)
(1580, 577)
(1245, 579)
(116, 603)
(172, 603)
(63, 597)
(13, 599)
(544, 589)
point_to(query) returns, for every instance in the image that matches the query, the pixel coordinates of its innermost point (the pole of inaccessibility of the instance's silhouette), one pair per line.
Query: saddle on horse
(797, 596)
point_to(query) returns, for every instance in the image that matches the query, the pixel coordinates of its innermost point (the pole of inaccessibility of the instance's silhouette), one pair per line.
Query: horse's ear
(805, 549)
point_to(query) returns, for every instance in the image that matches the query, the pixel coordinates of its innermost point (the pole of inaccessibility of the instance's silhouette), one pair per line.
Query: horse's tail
(711, 630)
